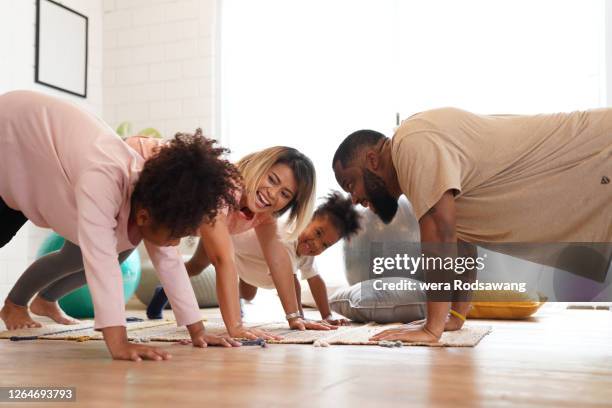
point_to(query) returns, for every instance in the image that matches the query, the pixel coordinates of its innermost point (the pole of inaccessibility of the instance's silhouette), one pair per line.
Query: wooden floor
(561, 358)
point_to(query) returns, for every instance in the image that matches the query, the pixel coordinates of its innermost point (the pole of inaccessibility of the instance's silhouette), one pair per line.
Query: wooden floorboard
(561, 358)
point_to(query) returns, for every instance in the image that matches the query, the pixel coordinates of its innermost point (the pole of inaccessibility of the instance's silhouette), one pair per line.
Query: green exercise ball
(78, 303)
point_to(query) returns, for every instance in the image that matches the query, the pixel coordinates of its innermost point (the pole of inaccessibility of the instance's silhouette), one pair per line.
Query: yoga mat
(45, 329)
(79, 332)
(167, 331)
(468, 336)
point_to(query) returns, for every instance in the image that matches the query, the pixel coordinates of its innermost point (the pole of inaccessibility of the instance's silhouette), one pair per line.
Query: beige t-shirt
(251, 264)
(538, 178)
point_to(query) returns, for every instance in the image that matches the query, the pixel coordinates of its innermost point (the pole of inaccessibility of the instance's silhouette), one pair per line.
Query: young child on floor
(334, 219)
(64, 169)
(276, 180)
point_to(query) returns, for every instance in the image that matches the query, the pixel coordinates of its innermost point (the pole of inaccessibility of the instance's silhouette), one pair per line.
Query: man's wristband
(293, 315)
(457, 315)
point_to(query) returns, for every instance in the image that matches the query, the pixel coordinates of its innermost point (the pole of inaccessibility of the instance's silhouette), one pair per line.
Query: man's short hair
(353, 143)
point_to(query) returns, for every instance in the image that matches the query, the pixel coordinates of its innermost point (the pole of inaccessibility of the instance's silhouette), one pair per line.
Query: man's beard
(383, 204)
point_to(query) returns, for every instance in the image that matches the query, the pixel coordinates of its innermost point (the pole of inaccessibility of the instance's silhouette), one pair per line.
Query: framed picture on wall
(61, 48)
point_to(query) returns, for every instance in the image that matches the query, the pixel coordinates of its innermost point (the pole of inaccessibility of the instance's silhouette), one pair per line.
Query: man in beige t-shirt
(486, 179)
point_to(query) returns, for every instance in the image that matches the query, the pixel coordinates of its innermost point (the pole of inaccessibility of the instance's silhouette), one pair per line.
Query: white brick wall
(159, 64)
(150, 62)
(17, 50)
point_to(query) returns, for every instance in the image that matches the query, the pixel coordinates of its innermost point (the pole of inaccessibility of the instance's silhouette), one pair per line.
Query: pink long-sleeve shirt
(67, 170)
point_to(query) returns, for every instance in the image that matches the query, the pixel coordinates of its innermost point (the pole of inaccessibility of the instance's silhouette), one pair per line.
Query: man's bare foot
(16, 317)
(42, 307)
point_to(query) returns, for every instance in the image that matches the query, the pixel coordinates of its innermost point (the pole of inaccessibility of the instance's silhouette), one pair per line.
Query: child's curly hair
(186, 183)
(341, 212)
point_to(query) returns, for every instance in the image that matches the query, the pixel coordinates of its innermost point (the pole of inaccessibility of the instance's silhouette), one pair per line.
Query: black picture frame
(40, 62)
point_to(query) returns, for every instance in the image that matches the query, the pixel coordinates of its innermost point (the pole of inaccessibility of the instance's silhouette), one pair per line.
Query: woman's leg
(11, 221)
(53, 275)
(73, 281)
(41, 273)
(45, 271)
(46, 303)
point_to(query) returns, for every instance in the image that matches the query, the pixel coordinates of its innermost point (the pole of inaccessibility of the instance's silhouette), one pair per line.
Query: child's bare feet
(16, 317)
(42, 307)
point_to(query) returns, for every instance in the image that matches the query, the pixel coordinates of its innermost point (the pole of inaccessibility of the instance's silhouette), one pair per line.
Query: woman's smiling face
(275, 191)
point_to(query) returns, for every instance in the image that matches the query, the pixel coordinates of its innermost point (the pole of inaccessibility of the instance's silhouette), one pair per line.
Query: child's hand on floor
(452, 323)
(138, 352)
(120, 348)
(301, 324)
(414, 333)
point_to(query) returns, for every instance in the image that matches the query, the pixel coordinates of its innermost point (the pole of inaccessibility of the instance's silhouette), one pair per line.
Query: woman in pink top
(276, 180)
(64, 169)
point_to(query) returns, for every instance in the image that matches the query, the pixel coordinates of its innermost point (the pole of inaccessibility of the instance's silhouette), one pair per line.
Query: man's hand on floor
(452, 323)
(407, 334)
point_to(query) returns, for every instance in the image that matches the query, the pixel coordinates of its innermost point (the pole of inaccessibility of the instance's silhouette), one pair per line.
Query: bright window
(307, 73)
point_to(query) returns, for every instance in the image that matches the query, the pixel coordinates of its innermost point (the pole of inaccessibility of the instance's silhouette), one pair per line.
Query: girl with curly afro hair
(64, 169)
(334, 219)
(277, 180)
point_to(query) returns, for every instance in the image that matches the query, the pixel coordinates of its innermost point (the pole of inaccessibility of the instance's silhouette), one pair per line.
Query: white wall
(159, 62)
(17, 51)
(153, 60)
(160, 66)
